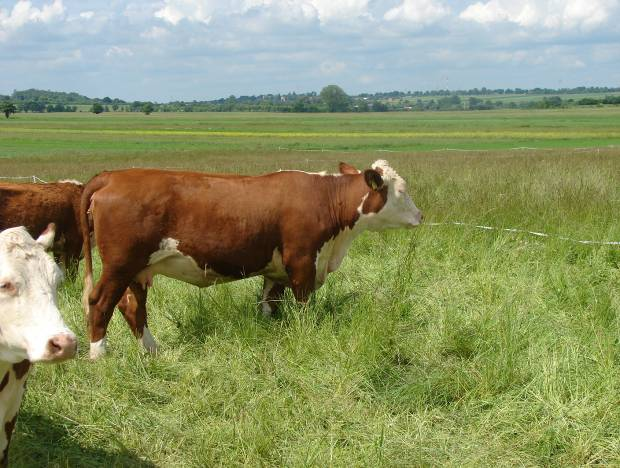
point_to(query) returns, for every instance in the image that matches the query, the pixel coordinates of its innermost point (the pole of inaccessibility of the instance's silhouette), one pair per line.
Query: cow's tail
(91, 187)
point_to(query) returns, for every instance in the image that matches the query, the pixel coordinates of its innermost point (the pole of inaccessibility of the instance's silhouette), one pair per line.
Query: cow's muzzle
(60, 347)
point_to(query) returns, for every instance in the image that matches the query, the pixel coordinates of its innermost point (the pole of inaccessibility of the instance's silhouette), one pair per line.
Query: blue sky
(205, 49)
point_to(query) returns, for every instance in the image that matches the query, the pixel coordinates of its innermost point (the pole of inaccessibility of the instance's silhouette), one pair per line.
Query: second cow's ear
(46, 239)
(373, 179)
(345, 168)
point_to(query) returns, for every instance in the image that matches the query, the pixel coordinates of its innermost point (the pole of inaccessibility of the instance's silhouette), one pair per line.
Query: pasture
(445, 345)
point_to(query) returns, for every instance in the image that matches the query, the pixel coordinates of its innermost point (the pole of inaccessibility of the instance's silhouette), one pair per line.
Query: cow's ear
(46, 239)
(373, 179)
(345, 168)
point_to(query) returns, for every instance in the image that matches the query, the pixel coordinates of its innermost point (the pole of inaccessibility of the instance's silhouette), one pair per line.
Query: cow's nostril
(54, 346)
(62, 347)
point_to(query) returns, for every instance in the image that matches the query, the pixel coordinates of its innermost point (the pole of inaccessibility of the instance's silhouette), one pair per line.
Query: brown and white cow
(291, 227)
(36, 205)
(31, 328)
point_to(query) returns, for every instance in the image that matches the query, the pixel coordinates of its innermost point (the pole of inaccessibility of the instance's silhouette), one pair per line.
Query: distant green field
(189, 139)
(447, 345)
(516, 98)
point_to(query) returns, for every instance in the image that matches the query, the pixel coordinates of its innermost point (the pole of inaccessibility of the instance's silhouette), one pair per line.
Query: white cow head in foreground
(30, 324)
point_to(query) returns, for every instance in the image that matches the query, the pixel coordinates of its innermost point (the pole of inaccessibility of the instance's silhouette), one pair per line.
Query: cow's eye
(7, 287)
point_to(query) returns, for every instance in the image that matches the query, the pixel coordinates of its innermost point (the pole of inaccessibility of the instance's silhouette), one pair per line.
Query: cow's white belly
(171, 262)
(275, 270)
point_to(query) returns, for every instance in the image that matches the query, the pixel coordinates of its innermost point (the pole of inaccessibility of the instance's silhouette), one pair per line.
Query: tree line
(332, 98)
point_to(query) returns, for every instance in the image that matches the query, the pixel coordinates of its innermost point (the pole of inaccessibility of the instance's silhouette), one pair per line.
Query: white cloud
(73, 56)
(423, 12)
(23, 13)
(332, 68)
(117, 51)
(332, 10)
(87, 14)
(200, 11)
(203, 11)
(155, 33)
(550, 14)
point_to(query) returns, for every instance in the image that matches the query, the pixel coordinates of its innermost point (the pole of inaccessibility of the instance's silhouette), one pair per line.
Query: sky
(205, 49)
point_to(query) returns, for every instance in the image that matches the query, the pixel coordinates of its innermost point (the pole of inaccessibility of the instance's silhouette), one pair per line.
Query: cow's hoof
(97, 349)
(266, 309)
(149, 343)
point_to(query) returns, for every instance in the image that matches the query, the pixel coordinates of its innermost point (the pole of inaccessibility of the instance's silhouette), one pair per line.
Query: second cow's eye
(7, 287)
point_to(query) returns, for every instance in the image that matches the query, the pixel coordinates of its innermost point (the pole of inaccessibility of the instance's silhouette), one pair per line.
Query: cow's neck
(347, 199)
(12, 384)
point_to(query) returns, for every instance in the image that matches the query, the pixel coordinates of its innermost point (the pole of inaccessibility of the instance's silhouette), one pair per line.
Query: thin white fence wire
(518, 148)
(34, 179)
(524, 231)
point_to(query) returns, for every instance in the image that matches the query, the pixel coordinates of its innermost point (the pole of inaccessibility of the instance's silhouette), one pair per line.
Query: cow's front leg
(133, 307)
(302, 275)
(272, 295)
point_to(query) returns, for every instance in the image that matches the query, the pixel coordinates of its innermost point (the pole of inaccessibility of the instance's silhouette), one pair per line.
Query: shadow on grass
(41, 441)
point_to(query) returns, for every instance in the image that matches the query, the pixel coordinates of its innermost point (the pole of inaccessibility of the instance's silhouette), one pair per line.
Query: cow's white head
(30, 324)
(387, 204)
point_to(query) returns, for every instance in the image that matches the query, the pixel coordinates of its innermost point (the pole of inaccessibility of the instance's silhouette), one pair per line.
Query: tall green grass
(445, 345)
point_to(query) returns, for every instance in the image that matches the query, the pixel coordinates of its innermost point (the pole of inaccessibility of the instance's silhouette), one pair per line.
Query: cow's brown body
(36, 205)
(204, 229)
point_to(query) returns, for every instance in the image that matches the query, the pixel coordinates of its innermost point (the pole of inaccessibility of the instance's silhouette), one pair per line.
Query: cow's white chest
(331, 254)
(171, 262)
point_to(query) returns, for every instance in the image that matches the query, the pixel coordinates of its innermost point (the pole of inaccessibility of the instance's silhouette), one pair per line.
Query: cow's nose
(61, 347)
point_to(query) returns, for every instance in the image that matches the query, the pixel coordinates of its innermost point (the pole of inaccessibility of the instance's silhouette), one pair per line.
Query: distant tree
(32, 106)
(147, 108)
(8, 108)
(552, 102)
(362, 106)
(378, 106)
(114, 107)
(452, 102)
(96, 108)
(335, 98)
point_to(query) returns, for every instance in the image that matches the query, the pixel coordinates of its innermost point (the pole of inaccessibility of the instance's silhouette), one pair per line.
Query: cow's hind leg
(272, 296)
(133, 307)
(101, 302)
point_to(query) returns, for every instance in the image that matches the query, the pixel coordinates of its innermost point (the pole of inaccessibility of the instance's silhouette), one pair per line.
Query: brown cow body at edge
(292, 227)
(36, 205)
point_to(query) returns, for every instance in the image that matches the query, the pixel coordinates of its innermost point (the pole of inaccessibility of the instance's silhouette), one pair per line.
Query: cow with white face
(31, 328)
(291, 227)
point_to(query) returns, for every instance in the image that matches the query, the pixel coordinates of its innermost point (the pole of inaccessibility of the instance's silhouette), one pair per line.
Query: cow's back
(36, 205)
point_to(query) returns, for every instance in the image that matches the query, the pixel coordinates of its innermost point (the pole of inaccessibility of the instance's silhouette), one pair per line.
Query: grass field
(447, 345)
